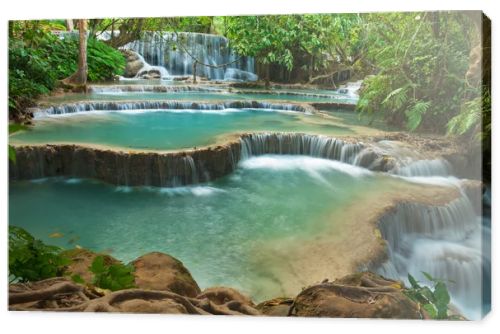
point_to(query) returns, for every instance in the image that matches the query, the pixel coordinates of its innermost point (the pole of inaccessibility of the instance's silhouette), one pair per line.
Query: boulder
(376, 161)
(149, 74)
(61, 294)
(81, 259)
(362, 295)
(162, 272)
(134, 63)
(132, 68)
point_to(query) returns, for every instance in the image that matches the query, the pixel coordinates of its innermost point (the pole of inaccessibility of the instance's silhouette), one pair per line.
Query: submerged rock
(149, 74)
(363, 295)
(158, 271)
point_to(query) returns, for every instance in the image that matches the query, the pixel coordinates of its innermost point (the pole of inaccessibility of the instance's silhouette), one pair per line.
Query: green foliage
(32, 260)
(77, 279)
(12, 154)
(28, 75)
(115, 276)
(13, 128)
(416, 113)
(474, 120)
(421, 60)
(434, 301)
(312, 41)
(38, 58)
(104, 62)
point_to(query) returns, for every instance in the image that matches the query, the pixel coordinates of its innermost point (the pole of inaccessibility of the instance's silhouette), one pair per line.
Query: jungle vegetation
(423, 71)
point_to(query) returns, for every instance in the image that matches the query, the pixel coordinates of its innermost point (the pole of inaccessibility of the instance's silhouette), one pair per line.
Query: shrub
(434, 302)
(32, 260)
(37, 61)
(104, 62)
(116, 276)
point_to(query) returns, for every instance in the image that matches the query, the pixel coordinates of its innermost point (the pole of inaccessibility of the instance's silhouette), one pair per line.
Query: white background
(18, 322)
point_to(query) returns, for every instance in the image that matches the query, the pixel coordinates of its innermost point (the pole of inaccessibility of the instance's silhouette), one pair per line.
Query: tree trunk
(112, 31)
(69, 25)
(78, 81)
(268, 74)
(311, 66)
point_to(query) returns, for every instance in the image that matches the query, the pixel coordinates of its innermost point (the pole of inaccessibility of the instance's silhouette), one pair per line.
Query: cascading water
(71, 108)
(351, 88)
(148, 69)
(434, 167)
(106, 89)
(444, 241)
(175, 53)
(299, 144)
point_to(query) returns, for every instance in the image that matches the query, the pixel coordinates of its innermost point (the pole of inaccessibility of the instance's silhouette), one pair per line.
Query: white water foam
(310, 165)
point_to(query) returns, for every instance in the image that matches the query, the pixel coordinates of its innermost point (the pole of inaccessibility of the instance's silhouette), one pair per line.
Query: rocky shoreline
(164, 285)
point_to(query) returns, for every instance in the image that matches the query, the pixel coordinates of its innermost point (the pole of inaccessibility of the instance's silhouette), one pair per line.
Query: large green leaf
(431, 310)
(413, 281)
(12, 154)
(415, 114)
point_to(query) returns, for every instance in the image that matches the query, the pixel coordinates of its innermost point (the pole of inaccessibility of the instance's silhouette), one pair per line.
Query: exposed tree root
(361, 295)
(48, 295)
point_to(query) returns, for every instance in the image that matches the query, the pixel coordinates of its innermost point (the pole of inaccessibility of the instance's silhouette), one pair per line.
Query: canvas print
(306, 165)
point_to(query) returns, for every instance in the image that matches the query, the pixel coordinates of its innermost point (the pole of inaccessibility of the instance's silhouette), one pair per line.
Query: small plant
(13, 128)
(434, 301)
(32, 260)
(115, 276)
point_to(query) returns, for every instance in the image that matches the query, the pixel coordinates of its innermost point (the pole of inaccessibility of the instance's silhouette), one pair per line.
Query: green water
(215, 228)
(175, 129)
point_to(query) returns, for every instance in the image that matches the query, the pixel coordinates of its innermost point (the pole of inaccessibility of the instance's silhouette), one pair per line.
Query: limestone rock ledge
(118, 167)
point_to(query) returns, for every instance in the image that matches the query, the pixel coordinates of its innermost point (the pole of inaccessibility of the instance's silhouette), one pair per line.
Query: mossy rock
(81, 259)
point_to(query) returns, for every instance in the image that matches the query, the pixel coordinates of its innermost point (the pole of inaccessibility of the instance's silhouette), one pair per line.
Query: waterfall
(151, 70)
(234, 74)
(299, 144)
(396, 158)
(106, 89)
(444, 241)
(71, 108)
(435, 167)
(190, 170)
(168, 50)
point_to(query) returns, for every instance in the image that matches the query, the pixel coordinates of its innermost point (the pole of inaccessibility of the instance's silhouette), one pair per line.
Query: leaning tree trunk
(78, 80)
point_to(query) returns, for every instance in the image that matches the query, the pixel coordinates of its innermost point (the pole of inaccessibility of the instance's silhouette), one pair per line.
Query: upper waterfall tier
(177, 52)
